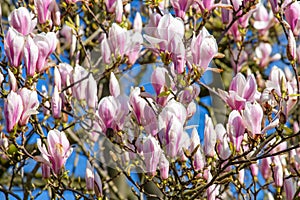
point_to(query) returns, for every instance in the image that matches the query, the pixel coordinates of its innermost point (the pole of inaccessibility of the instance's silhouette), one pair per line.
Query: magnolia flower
(112, 112)
(289, 188)
(21, 20)
(31, 56)
(14, 45)
(278, 172)
(253, 116)
(30, 104)
(163, 166)
(204, 47)
(56, 103)
(209, 137)
(114, 87)
(181, 6)
(93, 181)
(46, 44)
(222, 142)
(13, 109)
(78, 90)
(263, 54)
(58, 150)
(263, 19)
(292, 16)
(91, 92)
(166, 35)
(199, 161)
(151, 152)
(161, 82)
(12, 81)
(235, 129)
(47, 10)
(137, 22)
(105, 50)
(291, 48)
(240, 91)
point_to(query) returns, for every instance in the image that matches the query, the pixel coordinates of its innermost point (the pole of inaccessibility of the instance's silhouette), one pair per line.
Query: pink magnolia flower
(289, 188)
(235, 129)
(21, 20)
(204, 47)
(137, 22)
(105, 50)
(114, 87)
(43, 10)
(222, 142)
(58, 150)
(199, 161)
(172, 134)
(57, 79)
(46, 44)
(277, 79)
(78, 90)
(30, 104)
(13, 108)
(263, 54)
(110, 5)
(253, 116)
(91, 92)
(151, 152)
(240, 91)
(265, 168)
(160, 79)
(209, 137)
(65, 71)
(291, 48)
(138, 105)
(166, 36)
(93, 181)
(47, 10)
(56, 103)
(122, 43)
(31, 54)
(163, 166)
(14, 47)
(278, 172)
(189, 94)
(119, 11)
(12, 81)
(112, 112)
(274, 5)
(181, 6)
(117, 37)
(263, 19)
(292, 16)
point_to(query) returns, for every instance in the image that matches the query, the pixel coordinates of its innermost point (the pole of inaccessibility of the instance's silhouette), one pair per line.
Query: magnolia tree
(174, 99)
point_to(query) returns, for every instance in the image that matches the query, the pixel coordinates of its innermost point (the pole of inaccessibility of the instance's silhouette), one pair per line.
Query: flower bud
(137, 22)
(12, 81)
(56, 103)
(163, 167)
(209, 137)
(31, 54)
(14, 47)
(291, 48)
(114, 87)
(30, 104)
(13, 108)
(91, 92)
(235, 129)
(20, 19)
